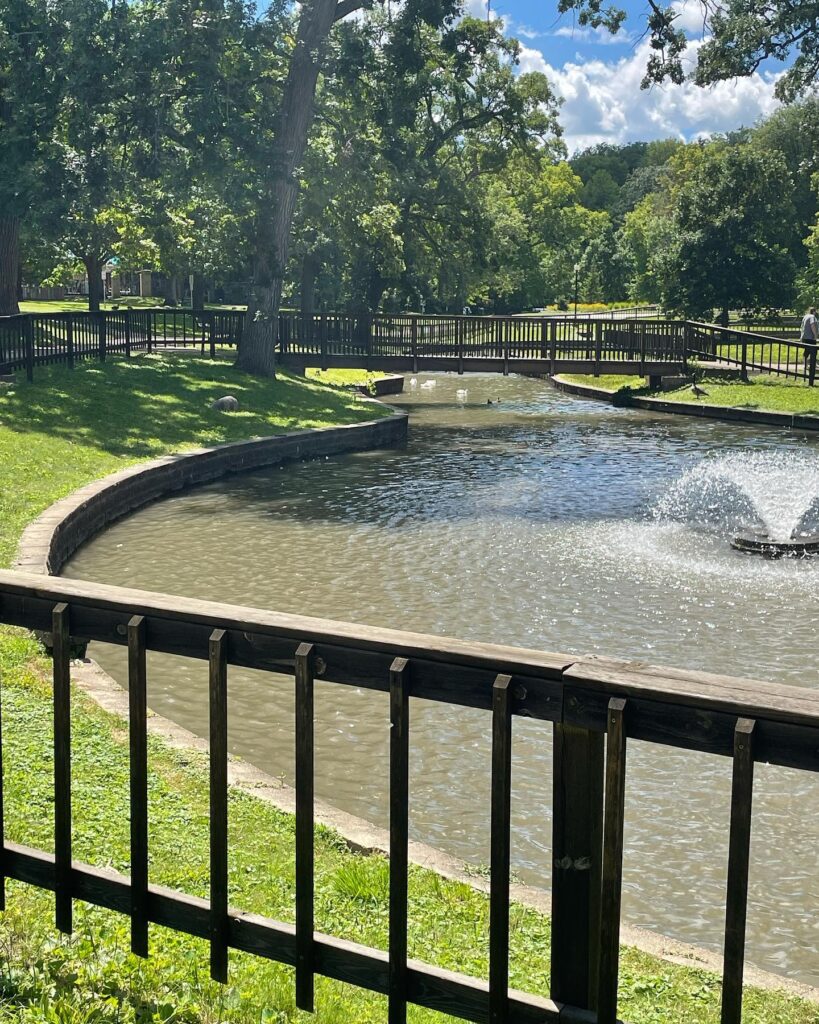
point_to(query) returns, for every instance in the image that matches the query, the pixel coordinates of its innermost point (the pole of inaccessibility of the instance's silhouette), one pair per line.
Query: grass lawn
(80, 305)
(68, 428)
(768, 393)
(345, 378)
(56, 434)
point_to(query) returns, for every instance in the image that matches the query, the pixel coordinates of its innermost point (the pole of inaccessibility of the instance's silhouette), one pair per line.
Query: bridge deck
(481, 364)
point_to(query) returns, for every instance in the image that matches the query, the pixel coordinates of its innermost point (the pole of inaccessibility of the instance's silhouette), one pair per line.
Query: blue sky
(599, 77)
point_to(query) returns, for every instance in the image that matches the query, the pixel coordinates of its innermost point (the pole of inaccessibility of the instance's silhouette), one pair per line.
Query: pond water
(545, 521)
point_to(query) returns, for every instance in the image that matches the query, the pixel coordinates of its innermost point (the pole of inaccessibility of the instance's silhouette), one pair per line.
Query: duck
(413, 382)
(461, 393)
(697, 390)
(428, 384)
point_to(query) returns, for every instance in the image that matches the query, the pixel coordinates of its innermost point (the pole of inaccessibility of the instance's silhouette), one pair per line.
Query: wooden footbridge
(633, 342)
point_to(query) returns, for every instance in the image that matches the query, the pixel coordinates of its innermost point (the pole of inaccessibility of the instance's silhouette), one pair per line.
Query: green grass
(765, 393)
(68, 428)
(80, 305)
(606, 381)
(56, 434)
(345, 378)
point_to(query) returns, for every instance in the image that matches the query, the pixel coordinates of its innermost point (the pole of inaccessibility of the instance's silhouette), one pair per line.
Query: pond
(544, 521)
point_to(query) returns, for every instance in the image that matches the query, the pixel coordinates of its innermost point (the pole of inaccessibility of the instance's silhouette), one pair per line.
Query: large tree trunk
(197, 291)
(256, 352)
(93, 268)
(309, 271)
(9, 264)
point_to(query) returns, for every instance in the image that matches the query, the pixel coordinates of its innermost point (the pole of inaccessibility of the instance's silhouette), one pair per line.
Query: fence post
(127, 333)
(414, 340)
(504, 334)
(212, 334)
(812, 366)
(460, 330)
(323, 340)
(29, 343)
(553, 344)
(149, 331)
(597, 327)
(577, 837)
(544, 335)
(744, 372)
(642, 349)
(102, 339)
(69, 338)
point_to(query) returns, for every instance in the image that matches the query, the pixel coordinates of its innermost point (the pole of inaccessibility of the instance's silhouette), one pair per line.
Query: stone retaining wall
(50, 541)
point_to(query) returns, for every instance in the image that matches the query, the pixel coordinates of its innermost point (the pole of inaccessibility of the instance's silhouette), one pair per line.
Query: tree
(731, 233)
(31, 35)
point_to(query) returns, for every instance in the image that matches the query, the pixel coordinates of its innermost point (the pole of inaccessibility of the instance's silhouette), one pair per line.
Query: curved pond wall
(48, 543)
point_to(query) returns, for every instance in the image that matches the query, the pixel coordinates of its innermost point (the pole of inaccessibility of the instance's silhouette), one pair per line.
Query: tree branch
(345, 7)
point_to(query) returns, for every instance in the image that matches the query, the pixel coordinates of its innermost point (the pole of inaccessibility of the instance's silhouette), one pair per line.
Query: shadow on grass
(154, 404)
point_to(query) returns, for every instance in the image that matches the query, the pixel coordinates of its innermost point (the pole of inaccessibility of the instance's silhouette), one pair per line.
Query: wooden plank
(612, 872)
(500, 852)
(349, 962)
(739, 852)
(61, 654)
(399, 838)
(218, 721)
(453, 671)
(576, 851)
(733, 695)
(138, 743)
(305, 826)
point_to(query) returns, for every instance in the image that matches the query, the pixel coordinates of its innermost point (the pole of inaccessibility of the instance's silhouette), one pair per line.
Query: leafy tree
(731, 229)
(31, 36)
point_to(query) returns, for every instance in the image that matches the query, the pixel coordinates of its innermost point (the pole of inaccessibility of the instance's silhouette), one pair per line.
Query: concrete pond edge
(770, 418)
(51, 539)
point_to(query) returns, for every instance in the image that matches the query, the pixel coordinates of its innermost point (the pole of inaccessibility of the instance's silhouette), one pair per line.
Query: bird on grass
(697, 391)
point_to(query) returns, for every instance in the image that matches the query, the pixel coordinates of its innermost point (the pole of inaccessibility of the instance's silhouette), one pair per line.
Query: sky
(599, 77)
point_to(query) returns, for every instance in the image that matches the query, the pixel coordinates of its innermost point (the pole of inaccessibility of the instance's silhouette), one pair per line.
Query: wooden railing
(406, 341)
(762, 353)
(596, 707)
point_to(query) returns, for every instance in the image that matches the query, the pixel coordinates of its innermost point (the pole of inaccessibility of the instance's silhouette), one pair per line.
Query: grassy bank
(768, 393)
(54, 435)
(68, 428)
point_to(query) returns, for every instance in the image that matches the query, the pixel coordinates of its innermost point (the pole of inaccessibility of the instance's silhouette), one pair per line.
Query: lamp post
(576, 286)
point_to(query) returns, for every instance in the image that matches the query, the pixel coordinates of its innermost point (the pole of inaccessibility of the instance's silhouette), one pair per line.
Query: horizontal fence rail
(634, 341)
(597, 708)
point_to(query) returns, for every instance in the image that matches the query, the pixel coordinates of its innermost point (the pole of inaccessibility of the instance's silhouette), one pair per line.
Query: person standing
(809, 333)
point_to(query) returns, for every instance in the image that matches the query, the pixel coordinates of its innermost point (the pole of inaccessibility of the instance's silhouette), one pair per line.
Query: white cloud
(690, 17)
(595, 36)
(603, 101)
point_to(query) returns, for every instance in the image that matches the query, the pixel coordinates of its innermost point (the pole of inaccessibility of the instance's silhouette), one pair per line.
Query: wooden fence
(596, 707)
(762, 353)
(407, 341)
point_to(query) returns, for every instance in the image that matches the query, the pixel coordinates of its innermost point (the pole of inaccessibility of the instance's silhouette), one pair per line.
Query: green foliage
(732, 225)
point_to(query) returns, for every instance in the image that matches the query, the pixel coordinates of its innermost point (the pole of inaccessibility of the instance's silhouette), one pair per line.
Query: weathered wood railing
(591, 343)
(596, 707)
(763, 353)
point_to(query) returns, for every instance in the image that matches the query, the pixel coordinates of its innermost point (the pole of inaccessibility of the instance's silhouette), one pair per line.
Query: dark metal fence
(596, 708)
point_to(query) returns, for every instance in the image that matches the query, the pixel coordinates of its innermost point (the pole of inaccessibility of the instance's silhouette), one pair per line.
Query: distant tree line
(392, 159)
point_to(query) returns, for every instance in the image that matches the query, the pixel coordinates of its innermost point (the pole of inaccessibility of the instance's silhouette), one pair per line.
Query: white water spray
(775, 491)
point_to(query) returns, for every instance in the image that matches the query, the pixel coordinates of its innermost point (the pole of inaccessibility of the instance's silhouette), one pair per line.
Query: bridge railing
(752, 351)
(596, 708)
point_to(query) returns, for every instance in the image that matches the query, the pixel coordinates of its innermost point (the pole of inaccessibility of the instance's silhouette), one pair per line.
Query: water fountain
(766, 502)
